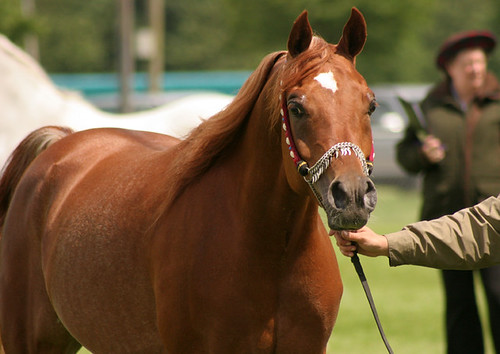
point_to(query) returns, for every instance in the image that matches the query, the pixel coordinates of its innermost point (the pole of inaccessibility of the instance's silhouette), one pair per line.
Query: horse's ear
(353, 36)
(300, 35)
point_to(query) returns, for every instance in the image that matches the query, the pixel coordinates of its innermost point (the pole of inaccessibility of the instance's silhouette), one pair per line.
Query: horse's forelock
(306, 64)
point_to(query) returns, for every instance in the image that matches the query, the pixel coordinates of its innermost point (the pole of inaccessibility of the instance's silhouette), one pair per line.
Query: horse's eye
(373, 106)
(296, 109)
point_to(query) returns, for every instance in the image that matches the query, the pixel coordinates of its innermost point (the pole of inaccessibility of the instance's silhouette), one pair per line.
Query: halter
(313, 174)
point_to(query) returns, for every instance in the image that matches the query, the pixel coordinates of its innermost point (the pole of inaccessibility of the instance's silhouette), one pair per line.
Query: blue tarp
(228, 82)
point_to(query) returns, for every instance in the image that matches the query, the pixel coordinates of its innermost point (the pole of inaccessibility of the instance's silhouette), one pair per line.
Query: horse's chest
(257, 308)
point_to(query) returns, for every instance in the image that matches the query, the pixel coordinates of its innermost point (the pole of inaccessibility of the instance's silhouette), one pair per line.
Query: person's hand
(365, 241)
(433, 149)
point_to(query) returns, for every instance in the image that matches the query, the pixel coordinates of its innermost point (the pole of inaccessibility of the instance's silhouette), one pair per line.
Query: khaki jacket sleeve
(468, 239)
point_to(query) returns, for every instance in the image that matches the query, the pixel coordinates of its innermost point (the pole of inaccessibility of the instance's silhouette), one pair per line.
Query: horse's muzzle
(351, 199)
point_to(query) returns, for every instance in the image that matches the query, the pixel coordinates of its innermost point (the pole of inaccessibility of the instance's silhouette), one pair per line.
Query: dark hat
(460, 41)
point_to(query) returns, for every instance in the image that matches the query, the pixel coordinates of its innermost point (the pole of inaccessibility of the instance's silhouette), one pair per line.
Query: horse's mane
(208, 141)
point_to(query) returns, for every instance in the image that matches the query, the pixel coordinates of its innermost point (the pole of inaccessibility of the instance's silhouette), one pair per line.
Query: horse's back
(75, 237)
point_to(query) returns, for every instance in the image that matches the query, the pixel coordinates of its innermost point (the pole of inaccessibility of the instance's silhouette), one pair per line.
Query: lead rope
(312, 175)
(361, 274)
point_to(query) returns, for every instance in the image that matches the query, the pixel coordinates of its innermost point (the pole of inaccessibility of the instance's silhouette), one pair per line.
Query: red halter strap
(300, 164)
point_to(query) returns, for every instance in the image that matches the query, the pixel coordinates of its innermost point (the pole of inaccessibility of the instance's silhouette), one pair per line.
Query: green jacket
(468, 239)
(470, 170)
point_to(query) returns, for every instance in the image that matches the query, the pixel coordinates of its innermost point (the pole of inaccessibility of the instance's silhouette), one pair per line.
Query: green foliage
(403, 35)
(12, 22)
(78, 36)
(196, 34)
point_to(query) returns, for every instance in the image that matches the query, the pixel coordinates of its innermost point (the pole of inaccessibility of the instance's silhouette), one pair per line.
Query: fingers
(433, 149)
(364, 241)
(346, 247)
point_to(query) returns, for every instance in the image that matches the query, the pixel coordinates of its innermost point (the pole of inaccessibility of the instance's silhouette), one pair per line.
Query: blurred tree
(257, 28)
(78, 36)
(12, 22)
(403, 35)
(196, 34)
(395, 50)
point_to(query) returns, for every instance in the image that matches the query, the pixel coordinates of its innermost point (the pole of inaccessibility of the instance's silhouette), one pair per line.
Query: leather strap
(359, 269)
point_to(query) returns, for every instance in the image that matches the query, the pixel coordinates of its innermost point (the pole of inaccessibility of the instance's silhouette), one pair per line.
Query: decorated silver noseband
(339, 149)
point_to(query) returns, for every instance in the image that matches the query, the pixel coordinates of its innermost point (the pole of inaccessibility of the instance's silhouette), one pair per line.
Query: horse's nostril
(340, 197)
(370, 186)
(370, 198)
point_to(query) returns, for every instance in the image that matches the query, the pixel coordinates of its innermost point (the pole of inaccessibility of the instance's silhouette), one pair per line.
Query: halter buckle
(303, 168)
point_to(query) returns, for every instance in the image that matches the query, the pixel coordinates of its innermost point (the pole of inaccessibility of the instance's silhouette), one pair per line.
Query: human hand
(433, 149)
(365, 241)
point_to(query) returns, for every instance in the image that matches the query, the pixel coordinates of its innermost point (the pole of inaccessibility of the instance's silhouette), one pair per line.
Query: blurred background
(83, 36)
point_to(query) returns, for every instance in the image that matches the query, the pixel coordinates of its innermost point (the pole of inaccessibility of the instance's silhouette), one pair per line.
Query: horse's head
(326, 107)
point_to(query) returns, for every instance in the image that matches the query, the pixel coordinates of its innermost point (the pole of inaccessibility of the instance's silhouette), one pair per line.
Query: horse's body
(29, 100)
(128, 241)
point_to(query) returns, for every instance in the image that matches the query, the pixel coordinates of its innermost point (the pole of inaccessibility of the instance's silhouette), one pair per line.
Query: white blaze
(327, 81)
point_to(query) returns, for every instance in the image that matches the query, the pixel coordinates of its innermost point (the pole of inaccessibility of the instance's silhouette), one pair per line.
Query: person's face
(468, 69)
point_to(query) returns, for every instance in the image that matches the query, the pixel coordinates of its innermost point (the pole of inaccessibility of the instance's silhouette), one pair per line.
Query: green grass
(409, 299)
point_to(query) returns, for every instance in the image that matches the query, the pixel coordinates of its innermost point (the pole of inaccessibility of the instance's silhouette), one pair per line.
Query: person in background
(460, 162)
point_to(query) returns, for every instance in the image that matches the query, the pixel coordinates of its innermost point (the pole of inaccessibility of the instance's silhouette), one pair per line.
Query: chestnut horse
(136, 242)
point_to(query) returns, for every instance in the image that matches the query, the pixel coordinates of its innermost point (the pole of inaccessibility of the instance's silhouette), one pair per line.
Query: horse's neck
(262, 175)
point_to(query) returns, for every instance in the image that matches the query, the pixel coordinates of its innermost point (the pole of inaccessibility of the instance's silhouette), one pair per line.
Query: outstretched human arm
(468, 239)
